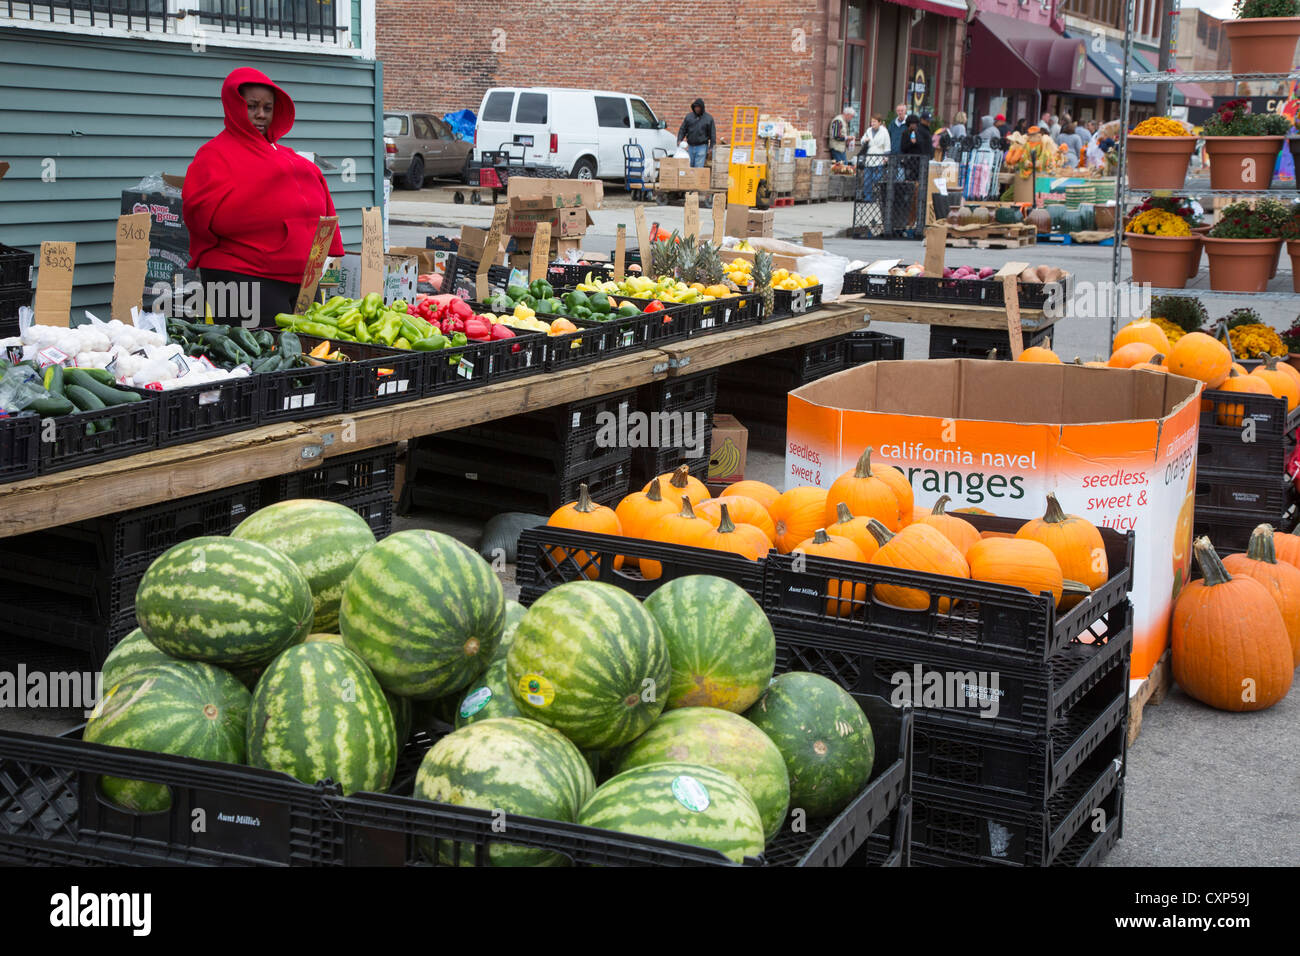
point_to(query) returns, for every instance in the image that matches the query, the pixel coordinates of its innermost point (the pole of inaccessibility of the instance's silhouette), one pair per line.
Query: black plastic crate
(877, 286)
(451, 370)
(788, 302)
(607, 482)
(674, 394)
(990, 291)
(676, 321)
(456, 267)
(19, 446)
(375, 508)
(297, 394)
(573, 273)
(952, 342)
(891, 845)
(135, 427)
(376, 375)
(1230, 531)
(517, 437)
(558, 421)
(16, 267)
(338, 477)
(525, 354)
(207, 410)
(595, 341)
(1266, 497)
(865, 346)
(41, 568)
(52, 617)
(724, 314)
(549, 557)
(994, 621)
(1244, 435)
(13, 298)
(445, 454)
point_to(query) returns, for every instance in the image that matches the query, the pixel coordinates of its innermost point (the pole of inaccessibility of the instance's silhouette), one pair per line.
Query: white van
(583, 131)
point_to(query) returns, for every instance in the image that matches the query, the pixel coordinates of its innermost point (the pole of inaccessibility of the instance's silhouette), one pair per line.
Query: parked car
(583, 131)
(424, 146)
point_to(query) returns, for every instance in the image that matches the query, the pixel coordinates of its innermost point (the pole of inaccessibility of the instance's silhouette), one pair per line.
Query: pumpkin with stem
(1199, 356)
(682, 483)
(901, 487)
(743, 539)
(1286, 368)
(1019, 563)
(1280, 385)
(865, 494)
(638, 512)
(856, 529)
(683, 527)
(1076, 544)
(1281, 580)
(1157, 364)
(1141, 330)
(1229, 643)
(760, 491)
(1231, 413)
(1126, 356)
(743, 510)
(1286, 547)
(1036, 353)
(796, 514)
(841, 592)
(959, 531)
(918, 547)
(585, 515)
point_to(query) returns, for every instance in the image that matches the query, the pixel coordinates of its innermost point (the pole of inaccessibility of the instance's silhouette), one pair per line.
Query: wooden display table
(935, 313)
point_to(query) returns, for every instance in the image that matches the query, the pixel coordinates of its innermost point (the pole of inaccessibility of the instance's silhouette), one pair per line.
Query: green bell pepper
(599, 302)
(541, 289)
(372, 305)
(517, 292)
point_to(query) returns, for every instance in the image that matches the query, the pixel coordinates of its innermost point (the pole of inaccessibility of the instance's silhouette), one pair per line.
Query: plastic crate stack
(15, 287)
(953, 342)
(531, 463)
(685, 426)
(67, 594)
(362, 481)
(1245, 441)
(1021, 711)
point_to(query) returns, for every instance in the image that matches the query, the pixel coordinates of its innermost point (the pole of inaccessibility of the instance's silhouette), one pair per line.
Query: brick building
(798, 59)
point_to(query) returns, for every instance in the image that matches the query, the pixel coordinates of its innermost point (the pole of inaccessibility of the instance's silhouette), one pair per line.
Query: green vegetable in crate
(541, 289)
(225, 601)
(517, 292)
(512, 766)
(94, 384)
(129, 655)
(318, 713)
(323, 538)
(824, 737)
(599, 302)
(682, 802)
(185, 708)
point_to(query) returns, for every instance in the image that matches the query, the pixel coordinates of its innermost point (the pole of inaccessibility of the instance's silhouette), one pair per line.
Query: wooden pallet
(1008, 242)
(1149, 693)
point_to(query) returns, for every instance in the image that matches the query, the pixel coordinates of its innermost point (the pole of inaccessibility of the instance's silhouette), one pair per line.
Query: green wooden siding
(109, 112)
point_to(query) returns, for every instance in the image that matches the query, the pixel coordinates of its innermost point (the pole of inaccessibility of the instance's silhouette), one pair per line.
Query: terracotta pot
(1199, 232)
(1160, 260)
(1293, 360)
(1240, 265)
(1262, 45)
(1158, 162)
(1228, 155)
(1293, 250)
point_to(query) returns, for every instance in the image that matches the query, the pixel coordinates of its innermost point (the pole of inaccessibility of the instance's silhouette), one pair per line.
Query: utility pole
(1168, 38)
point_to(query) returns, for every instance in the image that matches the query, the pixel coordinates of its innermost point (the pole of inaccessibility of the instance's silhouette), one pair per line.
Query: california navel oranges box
(1117, 447)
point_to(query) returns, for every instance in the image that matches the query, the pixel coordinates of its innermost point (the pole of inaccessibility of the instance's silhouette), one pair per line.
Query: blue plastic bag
(462, 123)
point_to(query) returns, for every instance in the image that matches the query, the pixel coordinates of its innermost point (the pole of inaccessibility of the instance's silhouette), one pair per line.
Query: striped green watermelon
(185, 708)
(724, 741)
(424, 611)
(224, 601)
(513, 766)
(323, 538)
(824, 737)
(682, 802)
(590, 661)
(514, 614)
(719, 640)
(318, 713)
(128, 656)
(399, 706)
(488, 697)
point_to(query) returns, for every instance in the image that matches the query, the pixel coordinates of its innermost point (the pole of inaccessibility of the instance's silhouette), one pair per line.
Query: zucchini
(87, 401)
(101, 375)
(55, 405)
(268, 363)
(54, 384)
(105, 393)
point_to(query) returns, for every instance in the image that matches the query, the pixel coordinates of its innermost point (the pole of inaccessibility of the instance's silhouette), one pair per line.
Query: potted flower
(1159, 150)
(1243, 245)
(1242, 146)
(1252, 340)
(1263, 36)
(1161, 244)
(1180, 206)
(1291, 338)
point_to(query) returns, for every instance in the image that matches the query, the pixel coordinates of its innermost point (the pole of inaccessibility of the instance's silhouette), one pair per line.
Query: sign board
(53, 304)
(620, 252)
(643, 239)
(320, 247)
(372, 250)
(1009, 276)
(719, 218)
(492, 242)
(541, 251)
(813, 240)
(691, 217)
(131, 263)
(936, 237)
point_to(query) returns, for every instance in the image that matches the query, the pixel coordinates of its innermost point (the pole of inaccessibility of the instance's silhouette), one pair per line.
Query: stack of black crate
(532, 463)
(1021, 711)
(15, 287)
(1245, 441)
(361, 481)
(677, 427)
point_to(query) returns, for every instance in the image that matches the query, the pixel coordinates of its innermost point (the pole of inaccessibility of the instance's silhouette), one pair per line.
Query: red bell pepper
(477, 329)
(500, 331)
(451, 324)
(654, 306)
(460, 308)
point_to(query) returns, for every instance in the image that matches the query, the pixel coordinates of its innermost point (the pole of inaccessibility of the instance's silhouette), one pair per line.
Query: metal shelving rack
(1124, 195)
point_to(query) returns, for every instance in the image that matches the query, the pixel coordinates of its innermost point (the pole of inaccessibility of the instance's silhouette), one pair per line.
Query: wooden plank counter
(935, 313)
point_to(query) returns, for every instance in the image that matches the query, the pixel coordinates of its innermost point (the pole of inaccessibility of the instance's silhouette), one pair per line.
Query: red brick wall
(442, 55)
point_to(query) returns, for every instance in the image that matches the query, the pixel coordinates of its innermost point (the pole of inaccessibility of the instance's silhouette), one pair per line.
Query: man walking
(698, 133)
(896, 127)
(838, 136)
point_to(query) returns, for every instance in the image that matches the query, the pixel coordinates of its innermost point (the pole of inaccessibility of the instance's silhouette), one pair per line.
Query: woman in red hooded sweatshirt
(251, 205)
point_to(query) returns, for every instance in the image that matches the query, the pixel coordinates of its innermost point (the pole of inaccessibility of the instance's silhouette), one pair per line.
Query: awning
(944, 8)
(1006, 53)
(1110, 63)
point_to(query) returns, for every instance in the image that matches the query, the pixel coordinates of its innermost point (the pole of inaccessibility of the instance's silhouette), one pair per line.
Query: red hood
(237, 121)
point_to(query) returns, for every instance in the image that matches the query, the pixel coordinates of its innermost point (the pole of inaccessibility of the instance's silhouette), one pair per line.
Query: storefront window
(858, 22)
(854, 58)
(923, 66)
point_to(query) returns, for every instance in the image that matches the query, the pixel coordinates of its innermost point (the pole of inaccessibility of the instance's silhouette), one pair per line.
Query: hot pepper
(371, 305)
(388, 331)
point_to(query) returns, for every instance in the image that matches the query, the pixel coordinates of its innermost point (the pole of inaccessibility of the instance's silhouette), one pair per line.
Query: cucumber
(101, 375)
(87, 401)
(105, 393)
(55, 405)
(54, 383)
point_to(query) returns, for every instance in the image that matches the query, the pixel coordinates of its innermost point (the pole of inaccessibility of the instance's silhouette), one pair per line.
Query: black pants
(251, 301)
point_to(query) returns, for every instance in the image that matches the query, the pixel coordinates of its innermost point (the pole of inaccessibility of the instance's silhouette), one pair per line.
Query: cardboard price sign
(54, 283)
(541, 251)
(490, 247)
(372, 251)
(320, 247)
(691, 217)
(812, 240)
(642, 238)
(719, 218)
(936, 238)
(131, 264)
(1009, 275)
(620, 252)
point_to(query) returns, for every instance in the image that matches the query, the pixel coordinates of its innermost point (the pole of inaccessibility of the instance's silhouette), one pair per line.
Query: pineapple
(663, 257)
(708, 265)
(762, 276)
(686, 256)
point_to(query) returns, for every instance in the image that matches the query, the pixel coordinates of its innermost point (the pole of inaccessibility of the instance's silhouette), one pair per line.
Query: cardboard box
(573, 192)
(737, 221)
(400, 273)
(559, 248)
(169, 240)
(472, 241)
(426, 260)
(678, 174)
(729, 450)
(565, 219)
(1117, 447)
(762, 223)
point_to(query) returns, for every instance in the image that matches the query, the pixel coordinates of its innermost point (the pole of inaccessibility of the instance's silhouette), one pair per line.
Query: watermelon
(724, 741)
(128, 656)
(399, 706)
(185, 708)
(224, 601)
(424, 611)
(589, 660)
(488, 697)
(720, 642)
(514, 614)
(510, 766)
(318, 713)
(323, 538)
(824, 737)
(681, 802)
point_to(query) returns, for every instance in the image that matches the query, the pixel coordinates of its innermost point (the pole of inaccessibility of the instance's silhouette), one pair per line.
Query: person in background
(958, 128)
(988, 132)
(1071, 145)
(915, 139)
(1055, 130)
(1045, 121)
(874, 155)
(838, 136)
(1003, 127)
(876, 140)
(897, 125)
(252, 205)
(698, 133)
(1022, 127)
(1085, 135)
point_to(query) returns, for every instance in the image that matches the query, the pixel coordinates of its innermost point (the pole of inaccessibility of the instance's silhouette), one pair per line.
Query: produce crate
(525, 354)
(376, 509)
(1230, 531)
(379, 376)
(12, 298)
(53, 617)
(677, 394)
(891, 845)
(135, 428)
(798, 365)
(549, 557)
(1265, 497)
(297, 394)
(595, 341)
(19, 446)
(877, 286)
(16, 267)
(1255, 438)
(468, 493)
(573, 273)
(333, 479)
(677, 320)
(207, 410)
(721, 315)
(788, 302)
(51, 810)
(456, 267)
(1030, 295)
(865, 346)
(951, 342)
(41, 567)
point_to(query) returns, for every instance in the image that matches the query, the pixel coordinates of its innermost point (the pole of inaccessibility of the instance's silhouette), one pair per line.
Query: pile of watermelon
(300, 644)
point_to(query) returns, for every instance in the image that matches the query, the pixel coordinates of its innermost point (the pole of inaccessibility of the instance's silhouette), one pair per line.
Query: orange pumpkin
(1075, 542)
(1199, 356)
(901, 487)
(682, 528)
(957, 530)
(1281, 580)
(1157, 364)
(1141, 330)
(638, 512)
(1279, 383)
(1017, 563)
(1286, 547)
(841, 593)
(682, 482)
(585, 515)
(797, 514)
(1240, 369)
(742, 539)
(743, 511)
(865, 494)
(1129, 355)
(760, 491)
(1229, 642)
(1231, 413)
(918, 547)
(1036, 353)
(1287, 369)
(856, 529)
